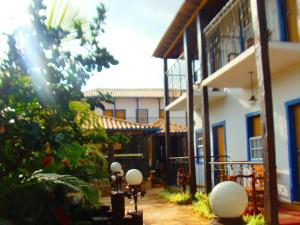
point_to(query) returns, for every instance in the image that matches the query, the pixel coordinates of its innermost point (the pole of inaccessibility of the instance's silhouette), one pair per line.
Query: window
(142, 115)
(254, 137)
(256, 148)
(199, 146)
(108, 112)
(161, 114)
(120, 114)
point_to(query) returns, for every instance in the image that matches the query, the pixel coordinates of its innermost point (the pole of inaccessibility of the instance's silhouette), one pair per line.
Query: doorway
(293, 19)
(293, 120)
(219, 150)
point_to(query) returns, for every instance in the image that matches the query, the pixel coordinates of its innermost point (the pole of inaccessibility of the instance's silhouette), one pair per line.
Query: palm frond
(68, 181)
(51, 14)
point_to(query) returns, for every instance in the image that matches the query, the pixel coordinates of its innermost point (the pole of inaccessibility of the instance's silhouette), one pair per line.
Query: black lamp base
(228, 221)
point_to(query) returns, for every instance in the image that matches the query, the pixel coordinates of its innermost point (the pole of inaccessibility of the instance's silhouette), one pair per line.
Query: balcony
(177, 78)
(177, 85)
(229, 44)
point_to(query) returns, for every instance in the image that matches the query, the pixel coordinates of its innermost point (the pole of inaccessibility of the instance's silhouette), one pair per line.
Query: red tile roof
(110, 123)
(174, 128)
(127, 93)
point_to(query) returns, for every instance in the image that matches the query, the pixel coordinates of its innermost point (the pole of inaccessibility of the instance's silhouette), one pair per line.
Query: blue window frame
(142, 115)
(215, 141)
(291, 132)
(254, 143)
(199, 146)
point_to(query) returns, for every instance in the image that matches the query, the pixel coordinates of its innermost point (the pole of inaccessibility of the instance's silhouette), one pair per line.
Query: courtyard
(158, 211)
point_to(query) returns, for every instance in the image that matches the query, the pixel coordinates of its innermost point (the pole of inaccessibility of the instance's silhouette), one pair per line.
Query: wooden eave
(170, 46)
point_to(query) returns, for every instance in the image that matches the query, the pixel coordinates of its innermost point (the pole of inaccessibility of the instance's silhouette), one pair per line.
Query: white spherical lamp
(228, 200)
(121, 173)
(134, 177)
(113, 178)
(115, 167)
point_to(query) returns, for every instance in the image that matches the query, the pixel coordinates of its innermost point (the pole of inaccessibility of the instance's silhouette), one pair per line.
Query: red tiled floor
(289, 217)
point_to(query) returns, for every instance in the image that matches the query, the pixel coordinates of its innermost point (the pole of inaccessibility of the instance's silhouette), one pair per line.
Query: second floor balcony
(230, 49)
(177, 83)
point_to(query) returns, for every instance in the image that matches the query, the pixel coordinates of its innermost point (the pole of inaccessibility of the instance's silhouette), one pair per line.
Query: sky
(132, 32)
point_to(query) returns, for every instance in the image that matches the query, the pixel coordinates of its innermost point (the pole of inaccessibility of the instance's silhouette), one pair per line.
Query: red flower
(2, 130)
(47, 160)
(65, 162)
(61, 216)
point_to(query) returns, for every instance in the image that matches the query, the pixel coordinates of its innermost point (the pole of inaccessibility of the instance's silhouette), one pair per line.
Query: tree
(41, 117)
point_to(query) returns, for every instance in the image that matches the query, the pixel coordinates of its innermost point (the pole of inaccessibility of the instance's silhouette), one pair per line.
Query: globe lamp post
(115, 168)
(228, 201)
(117, 196)
(134, 180)
(119, 179)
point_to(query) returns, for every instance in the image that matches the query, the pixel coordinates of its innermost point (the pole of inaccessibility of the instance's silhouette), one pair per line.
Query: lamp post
(117, 196)
(119, 179)
(134, 179)
(228, 201)
(115, 168)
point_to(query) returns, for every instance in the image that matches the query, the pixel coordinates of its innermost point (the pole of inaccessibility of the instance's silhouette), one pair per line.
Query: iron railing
(248, 174)
(177, 78)
(230, 32)
(174, 164)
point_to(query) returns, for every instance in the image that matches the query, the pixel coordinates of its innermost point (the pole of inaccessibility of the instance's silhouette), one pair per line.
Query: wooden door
(293, 19)
(297, 137)
(161, 114)
(219, 153)
(220, 141)
(108, 112)
(120, 114)
(256, 126)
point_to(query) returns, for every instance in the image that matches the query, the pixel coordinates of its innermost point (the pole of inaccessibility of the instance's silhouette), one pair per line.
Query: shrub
(202, 206)
(177, 198)
(255, 220)
(180, 198)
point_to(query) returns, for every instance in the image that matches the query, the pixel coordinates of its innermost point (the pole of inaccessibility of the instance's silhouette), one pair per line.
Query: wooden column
(266, 105)
(204, 105)
(188, 53)
(167, 122)
(110, 154)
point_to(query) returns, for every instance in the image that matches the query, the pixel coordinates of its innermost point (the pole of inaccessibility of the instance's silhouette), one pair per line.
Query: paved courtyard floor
(158, 211)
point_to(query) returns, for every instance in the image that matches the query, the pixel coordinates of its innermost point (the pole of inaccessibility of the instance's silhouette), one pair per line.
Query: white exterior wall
(152, 104)
(285, 88)
(153, 108)
(233, 108)
(129, 104)
(178, 117)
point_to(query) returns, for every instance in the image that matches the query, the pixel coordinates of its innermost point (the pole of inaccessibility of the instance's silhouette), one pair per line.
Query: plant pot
(157, 185)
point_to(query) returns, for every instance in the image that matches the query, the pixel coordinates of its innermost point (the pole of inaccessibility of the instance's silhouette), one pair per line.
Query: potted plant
(156, 182)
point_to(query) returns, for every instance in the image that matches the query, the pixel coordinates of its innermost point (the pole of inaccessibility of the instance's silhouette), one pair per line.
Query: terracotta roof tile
(109, 123)
(174, 128)
(127, 93)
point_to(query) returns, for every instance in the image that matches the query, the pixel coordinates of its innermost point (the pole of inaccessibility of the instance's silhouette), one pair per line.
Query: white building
(136, 105)
(230, 65)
